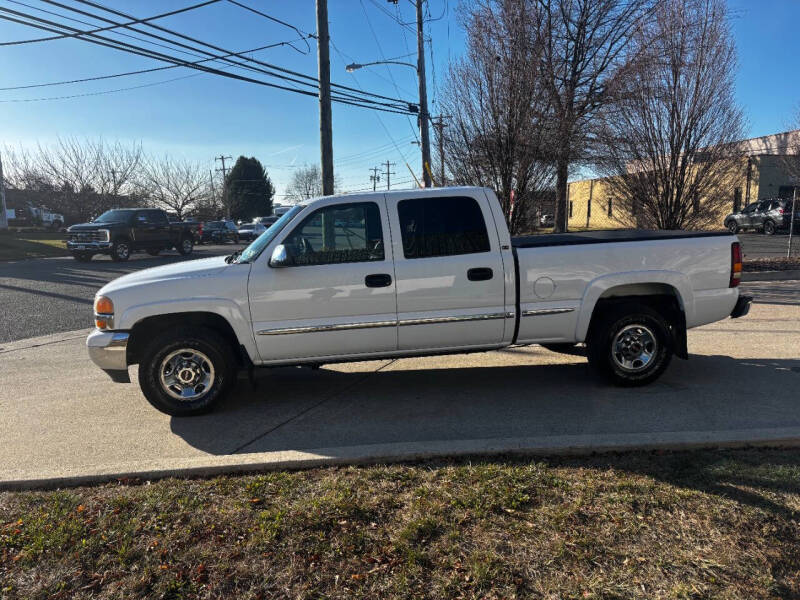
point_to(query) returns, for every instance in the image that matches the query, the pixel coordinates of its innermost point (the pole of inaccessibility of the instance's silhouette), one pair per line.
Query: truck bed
(607, 236)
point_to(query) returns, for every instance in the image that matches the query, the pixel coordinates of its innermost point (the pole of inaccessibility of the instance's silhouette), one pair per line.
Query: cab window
(342, 233)
(444, 226)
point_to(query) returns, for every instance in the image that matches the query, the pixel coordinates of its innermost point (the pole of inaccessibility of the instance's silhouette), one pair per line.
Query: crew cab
(409, 273)
(122, 231)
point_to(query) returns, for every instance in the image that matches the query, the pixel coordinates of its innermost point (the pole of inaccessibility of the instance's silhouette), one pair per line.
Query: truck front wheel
(630, 345)
(121, 250)
(186, 371)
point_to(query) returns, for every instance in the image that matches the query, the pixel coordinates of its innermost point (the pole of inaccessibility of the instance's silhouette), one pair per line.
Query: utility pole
(3, 213)
(223, 158)
(375, 178)
(389, 174)
(325, 119)
(423, 100)
(792, 217)
(439, 125)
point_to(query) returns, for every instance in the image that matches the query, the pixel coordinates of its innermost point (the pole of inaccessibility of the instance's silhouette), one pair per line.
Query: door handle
(378, 280)
(480, 274)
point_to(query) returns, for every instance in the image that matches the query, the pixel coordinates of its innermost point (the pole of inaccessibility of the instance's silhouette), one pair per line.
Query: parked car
(219, 232)
(266, 221)
(768, 216)
(546, 221)
(193, 225)
(424, 272)
(120, 232)
(250, 231)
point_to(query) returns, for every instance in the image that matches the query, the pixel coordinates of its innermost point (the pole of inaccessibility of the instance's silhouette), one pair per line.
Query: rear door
(449, 270)
(338, 296)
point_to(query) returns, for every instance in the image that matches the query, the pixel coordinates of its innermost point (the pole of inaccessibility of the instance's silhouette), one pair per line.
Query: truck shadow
(301, 409)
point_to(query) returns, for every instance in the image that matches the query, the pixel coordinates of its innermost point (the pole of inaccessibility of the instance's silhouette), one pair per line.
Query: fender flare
(223, 307)
(597, 287)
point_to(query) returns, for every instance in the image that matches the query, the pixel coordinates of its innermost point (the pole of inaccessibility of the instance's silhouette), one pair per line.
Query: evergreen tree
(248, 189)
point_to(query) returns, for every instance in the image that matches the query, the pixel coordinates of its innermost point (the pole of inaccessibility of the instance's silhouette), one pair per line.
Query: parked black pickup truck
(120, 232)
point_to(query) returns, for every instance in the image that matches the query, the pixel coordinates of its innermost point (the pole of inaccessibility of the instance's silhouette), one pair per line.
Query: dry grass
(685, 525)
(15, 247)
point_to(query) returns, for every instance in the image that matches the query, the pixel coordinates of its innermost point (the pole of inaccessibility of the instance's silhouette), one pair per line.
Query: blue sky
(201, 116)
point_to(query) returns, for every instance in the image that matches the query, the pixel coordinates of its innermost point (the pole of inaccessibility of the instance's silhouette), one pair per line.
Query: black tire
(121, 250)
(185, 246)
(619, 334)
(154, 251)
(732, 226)
(204, 347)
(564, 348)
(769, 227)
(83, 257)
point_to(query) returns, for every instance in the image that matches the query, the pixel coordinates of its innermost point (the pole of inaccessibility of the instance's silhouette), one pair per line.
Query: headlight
(103, 312)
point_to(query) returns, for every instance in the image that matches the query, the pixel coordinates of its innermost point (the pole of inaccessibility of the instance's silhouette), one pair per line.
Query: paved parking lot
(50, 295)
(758, 245)
(61, 418)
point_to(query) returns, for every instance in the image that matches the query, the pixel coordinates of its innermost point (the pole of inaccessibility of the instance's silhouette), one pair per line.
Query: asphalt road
(62, 421)
(49, 295)
(758, 245)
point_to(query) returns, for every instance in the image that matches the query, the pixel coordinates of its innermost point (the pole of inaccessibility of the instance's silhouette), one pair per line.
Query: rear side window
(442, 227)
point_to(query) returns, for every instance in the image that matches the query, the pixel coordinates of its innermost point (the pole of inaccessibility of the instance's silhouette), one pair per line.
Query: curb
(204, 466)
(771, 275)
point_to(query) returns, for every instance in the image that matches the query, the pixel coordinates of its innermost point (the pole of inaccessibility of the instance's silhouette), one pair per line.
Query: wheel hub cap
(634, 348)
(186, 374)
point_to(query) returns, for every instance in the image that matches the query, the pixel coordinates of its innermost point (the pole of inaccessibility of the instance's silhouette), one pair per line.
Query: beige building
(764, 174)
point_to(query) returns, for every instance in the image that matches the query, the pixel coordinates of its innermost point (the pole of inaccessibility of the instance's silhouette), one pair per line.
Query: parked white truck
(411, 273)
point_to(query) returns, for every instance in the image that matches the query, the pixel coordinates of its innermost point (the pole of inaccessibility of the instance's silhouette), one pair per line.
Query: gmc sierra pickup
(411, 273)
(121, 231)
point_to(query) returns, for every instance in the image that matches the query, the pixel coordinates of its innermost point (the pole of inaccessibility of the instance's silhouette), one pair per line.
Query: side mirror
(280, 257)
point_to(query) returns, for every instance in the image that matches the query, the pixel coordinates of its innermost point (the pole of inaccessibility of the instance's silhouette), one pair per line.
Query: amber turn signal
(103, 306)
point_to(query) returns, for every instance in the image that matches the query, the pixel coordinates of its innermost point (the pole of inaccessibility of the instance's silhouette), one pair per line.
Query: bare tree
(670, 139)
(500, 129)
(306, 183)
(584, 44)
(81, 177)
(174, 185)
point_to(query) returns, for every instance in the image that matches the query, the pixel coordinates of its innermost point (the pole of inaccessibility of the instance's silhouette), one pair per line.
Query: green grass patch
(40, 245)
(710, 524)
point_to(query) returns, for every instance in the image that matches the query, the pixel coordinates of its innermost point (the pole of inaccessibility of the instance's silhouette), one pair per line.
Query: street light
(423, 102)
(355, 66)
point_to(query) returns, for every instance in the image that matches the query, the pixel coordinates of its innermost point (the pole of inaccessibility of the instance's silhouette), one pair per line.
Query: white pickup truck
(411, 273)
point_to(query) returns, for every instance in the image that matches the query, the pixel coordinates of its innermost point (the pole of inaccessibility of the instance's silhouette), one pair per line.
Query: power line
(153, 18)
(219, 49)
(302, 34)
(397, 106)
(139, 72)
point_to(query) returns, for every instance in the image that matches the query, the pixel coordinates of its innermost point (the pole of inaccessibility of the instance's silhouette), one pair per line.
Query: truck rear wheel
(186, 371)
(185, 246)
(630, 345)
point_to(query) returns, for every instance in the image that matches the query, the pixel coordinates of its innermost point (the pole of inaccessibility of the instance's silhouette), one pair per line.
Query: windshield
(251, 226)
(250, 253)
(111, 216)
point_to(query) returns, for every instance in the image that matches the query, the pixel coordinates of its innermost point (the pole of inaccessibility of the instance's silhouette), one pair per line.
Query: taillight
(736, 264)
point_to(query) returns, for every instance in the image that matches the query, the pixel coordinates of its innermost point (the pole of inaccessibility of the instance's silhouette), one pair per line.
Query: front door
(450, 275)
(337, 298)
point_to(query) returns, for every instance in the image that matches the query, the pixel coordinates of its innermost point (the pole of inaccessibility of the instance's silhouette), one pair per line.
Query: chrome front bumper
(109, 351)
(82, 246)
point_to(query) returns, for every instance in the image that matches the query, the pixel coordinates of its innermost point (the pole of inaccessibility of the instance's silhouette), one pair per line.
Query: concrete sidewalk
(63, 422)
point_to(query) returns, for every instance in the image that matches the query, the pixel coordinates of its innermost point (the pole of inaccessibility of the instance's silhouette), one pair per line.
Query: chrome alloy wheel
(186, 374)
(123, 251)
(187, 245)
(634, 348)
